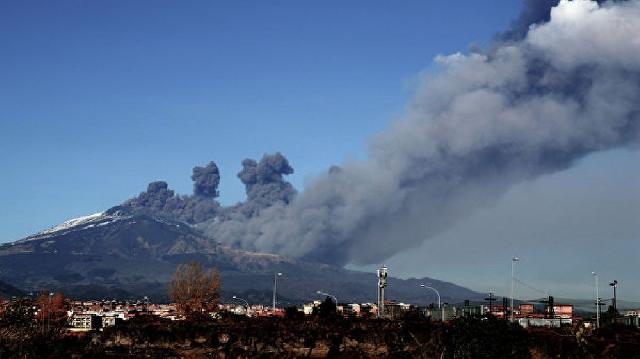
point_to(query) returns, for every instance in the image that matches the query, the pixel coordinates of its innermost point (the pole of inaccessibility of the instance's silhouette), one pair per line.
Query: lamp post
(275, 287)
(245, 302)
(614, 285)
(513, 282)
(595, 278)
(329, 295)
(438, 294)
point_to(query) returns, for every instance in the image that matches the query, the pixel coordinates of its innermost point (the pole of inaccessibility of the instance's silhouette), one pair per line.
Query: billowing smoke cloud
(206, 180)
(264, 182)
(534, 12)
(265, 186)
(160, 201)
(483, 123)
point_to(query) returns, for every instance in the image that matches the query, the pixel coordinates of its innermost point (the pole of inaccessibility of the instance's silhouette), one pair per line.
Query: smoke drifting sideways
(481, 124)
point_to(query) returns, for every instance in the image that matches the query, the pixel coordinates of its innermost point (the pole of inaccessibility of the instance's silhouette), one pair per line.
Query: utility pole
(549, 311)
(504, 307)
(513, 282)
(491, 298)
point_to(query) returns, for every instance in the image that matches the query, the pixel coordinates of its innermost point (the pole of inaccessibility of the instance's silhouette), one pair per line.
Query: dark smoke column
(206, 180)
(264, 180)
(160, 201)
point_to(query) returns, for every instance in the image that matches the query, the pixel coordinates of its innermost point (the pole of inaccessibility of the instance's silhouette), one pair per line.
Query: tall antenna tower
(382, 284)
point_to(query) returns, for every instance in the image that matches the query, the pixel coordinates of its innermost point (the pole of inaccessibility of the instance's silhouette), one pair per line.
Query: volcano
(126, 255)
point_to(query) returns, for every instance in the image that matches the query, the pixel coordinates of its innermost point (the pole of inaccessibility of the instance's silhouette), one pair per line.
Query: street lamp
(513, 282)
(245, 302)
(275, 287)
(595, 277)
(614, 284)
(328, 295)
(438, 294)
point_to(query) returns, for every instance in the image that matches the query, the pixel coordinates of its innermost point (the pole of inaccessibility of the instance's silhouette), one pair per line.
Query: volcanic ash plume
(483, 123)
(264, 180)
(206, 180)
(265, 187)
(160, 201)
(534, 12)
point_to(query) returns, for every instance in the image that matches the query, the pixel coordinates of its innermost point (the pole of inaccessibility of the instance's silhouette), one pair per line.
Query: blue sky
(99, 98)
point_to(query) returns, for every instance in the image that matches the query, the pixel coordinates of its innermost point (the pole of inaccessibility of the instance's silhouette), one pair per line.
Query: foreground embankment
(240, 337)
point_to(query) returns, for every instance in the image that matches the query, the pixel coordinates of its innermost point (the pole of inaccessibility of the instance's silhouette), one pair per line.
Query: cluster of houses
(526, 314)
(98, 314)
(255, 310)
(94, 314)
(548, 314)
(544, 313)
(259, 310)
(88, 315)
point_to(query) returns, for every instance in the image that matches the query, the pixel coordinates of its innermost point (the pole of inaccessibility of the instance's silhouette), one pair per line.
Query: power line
(545, 292)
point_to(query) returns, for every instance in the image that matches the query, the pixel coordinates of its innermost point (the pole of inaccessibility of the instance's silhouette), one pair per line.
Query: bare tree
(52, 311)
(193, 289)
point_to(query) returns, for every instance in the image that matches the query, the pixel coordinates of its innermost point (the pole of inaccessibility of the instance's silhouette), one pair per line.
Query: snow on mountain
(80, 223)
(72, 223)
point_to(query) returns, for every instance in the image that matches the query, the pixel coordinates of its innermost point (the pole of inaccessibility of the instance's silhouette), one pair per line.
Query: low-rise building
(85, 322)
(544, 322)
(630, 317)
(308, 308)
(564, 311)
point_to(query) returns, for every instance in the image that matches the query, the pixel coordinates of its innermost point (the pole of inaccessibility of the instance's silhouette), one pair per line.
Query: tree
(293, 313)
(609, 317)
(472, 337)
(193, 289)
(52, 310)
(327, 308)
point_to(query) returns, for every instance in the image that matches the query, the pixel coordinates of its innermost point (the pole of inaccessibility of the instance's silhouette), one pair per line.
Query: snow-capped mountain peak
(84, 222)
(72, 223)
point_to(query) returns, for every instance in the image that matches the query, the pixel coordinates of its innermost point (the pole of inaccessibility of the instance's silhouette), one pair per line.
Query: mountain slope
(8, 291)
(121, 254)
